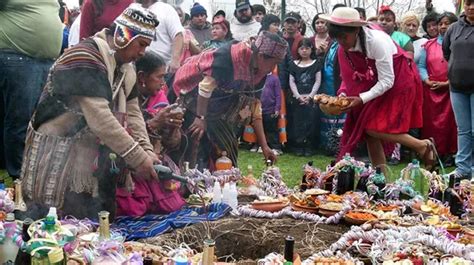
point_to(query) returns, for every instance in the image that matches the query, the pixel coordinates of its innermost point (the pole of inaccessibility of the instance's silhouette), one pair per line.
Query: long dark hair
(450, 16)
(268, 20)
(306, 42)
(431, 17)
(337, 31)
(313, 24)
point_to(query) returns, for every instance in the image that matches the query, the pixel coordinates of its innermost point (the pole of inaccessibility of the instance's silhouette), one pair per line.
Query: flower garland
(387, 242)
(248, 211)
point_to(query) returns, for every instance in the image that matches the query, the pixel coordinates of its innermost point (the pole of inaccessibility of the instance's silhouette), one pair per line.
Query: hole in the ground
(240, 239)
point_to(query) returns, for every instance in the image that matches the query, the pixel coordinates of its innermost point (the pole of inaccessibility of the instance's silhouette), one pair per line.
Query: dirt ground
(249, 239)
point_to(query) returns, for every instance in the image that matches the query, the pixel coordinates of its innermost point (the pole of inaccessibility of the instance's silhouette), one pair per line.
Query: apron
(394, 112)
(438, 115)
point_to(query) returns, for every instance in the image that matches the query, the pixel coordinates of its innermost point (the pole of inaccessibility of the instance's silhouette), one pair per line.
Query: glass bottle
(379, 180)
(223, 162)
(289, 250)
(104, 226)
(147, 261)
(20, 204)
(23, 257)
(250, 172)
(208, 252)
(451, 196)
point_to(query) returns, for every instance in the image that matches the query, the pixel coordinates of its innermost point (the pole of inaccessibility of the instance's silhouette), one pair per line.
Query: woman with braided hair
(382, 84)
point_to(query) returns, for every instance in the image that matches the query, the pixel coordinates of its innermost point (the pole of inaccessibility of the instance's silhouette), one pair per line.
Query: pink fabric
(150, 196)
(438, 115)
(158, 101)
(396, 111)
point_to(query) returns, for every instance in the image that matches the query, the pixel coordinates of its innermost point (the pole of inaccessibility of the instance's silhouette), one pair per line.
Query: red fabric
(394, 112)
(193, 71)
(150, 196)
(91, 23)
(438, 115)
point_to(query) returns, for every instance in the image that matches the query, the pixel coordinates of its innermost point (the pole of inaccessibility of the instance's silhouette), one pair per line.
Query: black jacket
(458, 49)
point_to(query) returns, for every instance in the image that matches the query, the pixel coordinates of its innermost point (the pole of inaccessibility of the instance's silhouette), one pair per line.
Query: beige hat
(344, 16)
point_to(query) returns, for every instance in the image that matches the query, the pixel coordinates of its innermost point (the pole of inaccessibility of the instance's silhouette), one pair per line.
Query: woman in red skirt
(438, 115)
(383, 86)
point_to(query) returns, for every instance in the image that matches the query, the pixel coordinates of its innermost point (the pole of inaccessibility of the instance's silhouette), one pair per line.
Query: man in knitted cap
(218, 89)
(199, 26)
(244, 26)
(88, 124)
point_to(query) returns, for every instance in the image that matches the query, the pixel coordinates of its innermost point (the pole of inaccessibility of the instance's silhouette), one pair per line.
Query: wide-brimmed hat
(344, 16)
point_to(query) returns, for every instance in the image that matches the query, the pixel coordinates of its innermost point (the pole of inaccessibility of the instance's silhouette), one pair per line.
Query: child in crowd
(305, 79)
(271, 104)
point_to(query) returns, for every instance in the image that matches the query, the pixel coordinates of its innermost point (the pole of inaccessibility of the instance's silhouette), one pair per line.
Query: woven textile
(135, 228)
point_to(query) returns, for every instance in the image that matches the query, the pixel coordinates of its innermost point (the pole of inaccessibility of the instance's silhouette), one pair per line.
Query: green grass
(291, 166)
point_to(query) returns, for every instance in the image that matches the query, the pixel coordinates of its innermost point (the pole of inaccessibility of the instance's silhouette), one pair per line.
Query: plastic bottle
(9, 249)
(417, 176)
(223, 162)
(233, 196)
(226, 194)
(217, 192)
(180, 260)
(50, 220)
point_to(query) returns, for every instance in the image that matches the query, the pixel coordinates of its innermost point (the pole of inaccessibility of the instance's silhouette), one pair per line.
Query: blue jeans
(463, 106)
(22, 79)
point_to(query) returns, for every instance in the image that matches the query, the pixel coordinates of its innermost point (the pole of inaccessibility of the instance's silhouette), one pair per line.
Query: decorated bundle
(311, 177)
(345, 172)
(272, 182)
